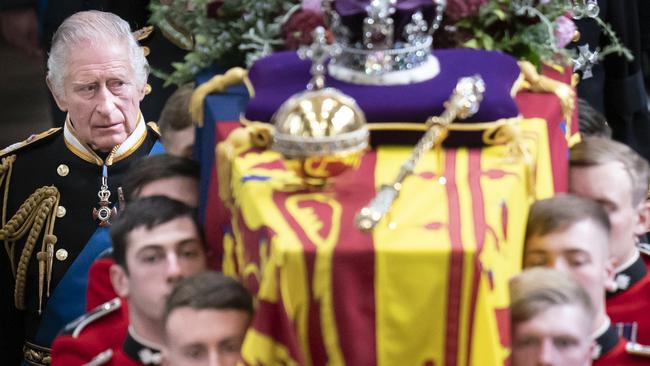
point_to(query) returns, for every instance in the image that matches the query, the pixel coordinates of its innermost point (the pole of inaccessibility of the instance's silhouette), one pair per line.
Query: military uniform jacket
(133, 352)
(72, 175)
(612, 350)
(629, 306)
(101, 329)
(100, 288)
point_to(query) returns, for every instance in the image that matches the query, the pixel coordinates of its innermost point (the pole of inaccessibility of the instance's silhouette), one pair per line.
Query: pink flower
(311, 5)
(564, 31)
(459, 9)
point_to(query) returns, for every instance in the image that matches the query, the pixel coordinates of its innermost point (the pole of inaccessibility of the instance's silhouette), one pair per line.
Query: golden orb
(321, 133)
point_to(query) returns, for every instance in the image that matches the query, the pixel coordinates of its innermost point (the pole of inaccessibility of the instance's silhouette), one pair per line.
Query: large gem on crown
(384, 42)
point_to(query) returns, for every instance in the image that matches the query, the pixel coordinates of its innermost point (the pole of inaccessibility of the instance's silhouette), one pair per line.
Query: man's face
(558, 336)
(580, 251)
(204, 337)
(610, 185)
(156, 260)
(100, 94)
(183, 189)
(181, 142)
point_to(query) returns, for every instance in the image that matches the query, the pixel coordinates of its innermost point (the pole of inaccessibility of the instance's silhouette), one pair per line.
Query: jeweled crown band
(385, 45)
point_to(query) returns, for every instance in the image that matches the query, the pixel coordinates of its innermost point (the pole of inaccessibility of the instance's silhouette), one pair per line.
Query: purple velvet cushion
(279, 76)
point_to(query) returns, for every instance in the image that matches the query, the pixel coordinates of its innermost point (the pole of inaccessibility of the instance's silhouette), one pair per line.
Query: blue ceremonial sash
(68, 301)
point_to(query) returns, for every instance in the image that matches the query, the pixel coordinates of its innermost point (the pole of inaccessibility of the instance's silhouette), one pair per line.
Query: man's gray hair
(97, 27)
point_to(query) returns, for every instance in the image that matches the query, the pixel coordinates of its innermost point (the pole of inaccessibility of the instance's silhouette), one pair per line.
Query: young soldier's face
(609, 185)
(579, 251)
(205, 337)
(558, 336)
(156, 260)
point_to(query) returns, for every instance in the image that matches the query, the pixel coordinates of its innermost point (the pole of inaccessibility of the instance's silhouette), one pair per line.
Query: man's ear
(610, 274)
(119, 280)
(146, 89)
(592, 349)
(643, 218)
(60, 100)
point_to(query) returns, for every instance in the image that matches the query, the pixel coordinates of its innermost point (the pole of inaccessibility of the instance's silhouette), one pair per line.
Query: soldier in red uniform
(570, 233)
(617, 177)
(157, 242)
(159, 175)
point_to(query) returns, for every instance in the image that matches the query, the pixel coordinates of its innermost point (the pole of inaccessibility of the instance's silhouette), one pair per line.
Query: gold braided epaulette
(154, 127)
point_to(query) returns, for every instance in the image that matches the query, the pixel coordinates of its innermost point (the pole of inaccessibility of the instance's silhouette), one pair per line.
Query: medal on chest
(104, 213)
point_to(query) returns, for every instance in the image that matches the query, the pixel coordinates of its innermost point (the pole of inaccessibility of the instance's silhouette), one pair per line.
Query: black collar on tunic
(606, 342)
(137, 351)
(629, 276)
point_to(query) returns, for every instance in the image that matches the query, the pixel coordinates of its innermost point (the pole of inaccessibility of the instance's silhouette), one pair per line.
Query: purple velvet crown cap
(279, 76)
(352, 13)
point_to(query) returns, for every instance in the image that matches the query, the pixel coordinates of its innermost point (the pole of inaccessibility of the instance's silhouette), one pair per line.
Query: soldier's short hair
(209, 290)
(152, 168)
(537, 289)
(595, 150)
(591, 122)
(147, 212)
(94, 26)
(559, 212)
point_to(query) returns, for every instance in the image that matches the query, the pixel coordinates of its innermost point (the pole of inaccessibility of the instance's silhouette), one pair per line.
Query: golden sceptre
(464, 102)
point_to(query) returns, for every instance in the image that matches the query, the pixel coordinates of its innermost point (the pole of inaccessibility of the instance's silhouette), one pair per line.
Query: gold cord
(38, 211)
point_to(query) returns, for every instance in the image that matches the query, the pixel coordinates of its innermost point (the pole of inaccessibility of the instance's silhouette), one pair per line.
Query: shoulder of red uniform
(31, 141)
(101, 358)
(75, 327)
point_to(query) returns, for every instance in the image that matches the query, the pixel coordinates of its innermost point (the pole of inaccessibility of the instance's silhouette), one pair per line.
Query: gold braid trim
(37, 211)
(5, 173)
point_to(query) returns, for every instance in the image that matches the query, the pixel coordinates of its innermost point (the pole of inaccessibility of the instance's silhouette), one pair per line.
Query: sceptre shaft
(464, 102)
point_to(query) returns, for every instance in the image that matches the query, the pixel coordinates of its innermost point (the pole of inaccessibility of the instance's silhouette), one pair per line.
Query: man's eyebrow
(152, 246)
(576, 251)
(189, 241)
(536, 251)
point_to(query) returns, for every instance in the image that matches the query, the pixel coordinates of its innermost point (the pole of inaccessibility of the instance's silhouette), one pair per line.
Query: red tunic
(122, 359)
(100, 288)
(101, 329)
(613, 350)
(629, 307)
(131, 353)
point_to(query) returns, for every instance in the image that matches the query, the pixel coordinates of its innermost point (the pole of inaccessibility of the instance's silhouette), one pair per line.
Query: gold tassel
(540, 83)
(218, 83)
(42, 258)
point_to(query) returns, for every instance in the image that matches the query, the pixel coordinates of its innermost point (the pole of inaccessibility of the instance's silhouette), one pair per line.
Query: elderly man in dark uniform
(59, 188)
